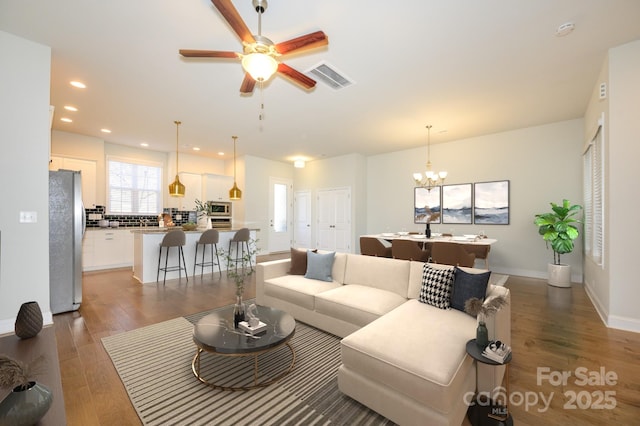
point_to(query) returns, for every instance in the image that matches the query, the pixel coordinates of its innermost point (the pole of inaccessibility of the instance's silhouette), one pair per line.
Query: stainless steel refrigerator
(66, 229)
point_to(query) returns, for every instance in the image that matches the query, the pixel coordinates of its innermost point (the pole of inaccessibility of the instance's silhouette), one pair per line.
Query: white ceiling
(468, 67)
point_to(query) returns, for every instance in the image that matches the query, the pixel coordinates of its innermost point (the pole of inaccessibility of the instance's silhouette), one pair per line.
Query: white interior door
(280, 214)
(302, 219)
(334, 220)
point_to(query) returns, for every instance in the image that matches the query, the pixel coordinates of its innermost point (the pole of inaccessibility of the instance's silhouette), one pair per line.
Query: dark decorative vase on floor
(26, 405)
(29, 320)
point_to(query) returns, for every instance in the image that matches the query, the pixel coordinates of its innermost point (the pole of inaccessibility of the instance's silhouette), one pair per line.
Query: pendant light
(234, 193)
(176, 189)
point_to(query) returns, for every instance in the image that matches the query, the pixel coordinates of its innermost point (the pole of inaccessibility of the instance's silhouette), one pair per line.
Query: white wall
(543, 165)
(624, 176)
(24, 171)
(347, 171)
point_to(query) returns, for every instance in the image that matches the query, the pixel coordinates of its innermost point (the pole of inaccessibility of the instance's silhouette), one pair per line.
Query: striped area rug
(154, 364)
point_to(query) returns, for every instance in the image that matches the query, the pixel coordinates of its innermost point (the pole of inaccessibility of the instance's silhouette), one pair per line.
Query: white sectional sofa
(400, 357)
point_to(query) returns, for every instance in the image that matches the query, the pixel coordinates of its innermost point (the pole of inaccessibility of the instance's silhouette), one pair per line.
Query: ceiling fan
(259, 56)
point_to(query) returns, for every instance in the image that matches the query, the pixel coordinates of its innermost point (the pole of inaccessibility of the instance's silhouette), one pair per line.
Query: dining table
(469, 240)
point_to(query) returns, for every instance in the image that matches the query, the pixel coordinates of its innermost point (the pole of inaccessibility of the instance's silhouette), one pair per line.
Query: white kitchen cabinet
(107, 248)
(192, 190)
(216, 187)
(334, 220)
(87, 168)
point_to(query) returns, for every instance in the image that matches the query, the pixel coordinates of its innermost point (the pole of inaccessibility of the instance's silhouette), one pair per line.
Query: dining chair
(449, 253)
(408, 250)
(481, 251)
(371, 246)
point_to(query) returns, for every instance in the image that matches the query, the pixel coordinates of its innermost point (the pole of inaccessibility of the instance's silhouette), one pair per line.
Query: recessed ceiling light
(298, 164)
(105, 130)
(70, 108)
(195, 148)
(220, 153)
(66, 120)
(78, 84)
(565, 29)
(144, 144)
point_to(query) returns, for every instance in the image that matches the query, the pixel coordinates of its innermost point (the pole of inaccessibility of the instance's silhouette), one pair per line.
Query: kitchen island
(146, 248)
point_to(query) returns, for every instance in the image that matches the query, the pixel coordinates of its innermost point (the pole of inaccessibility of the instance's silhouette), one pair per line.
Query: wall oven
(220, 222)
(219, 208)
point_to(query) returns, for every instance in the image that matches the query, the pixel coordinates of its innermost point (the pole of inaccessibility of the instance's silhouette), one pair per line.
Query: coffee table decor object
(216, 335)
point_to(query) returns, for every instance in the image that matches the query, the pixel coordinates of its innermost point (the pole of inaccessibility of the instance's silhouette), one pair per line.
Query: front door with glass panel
(280, 217)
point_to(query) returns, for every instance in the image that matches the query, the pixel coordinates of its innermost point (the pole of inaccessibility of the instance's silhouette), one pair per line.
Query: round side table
(488, 413)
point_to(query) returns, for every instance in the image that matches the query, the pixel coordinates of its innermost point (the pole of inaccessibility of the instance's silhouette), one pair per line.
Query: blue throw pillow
(466, 286)
(319, 266)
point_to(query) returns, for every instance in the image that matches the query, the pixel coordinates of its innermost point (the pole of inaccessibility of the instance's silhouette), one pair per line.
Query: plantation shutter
(593, 160)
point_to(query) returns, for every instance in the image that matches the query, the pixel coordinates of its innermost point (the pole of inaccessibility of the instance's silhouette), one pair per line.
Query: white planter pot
(559, 275)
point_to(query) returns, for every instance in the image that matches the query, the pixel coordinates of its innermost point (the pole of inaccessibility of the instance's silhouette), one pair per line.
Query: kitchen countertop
(156, 230)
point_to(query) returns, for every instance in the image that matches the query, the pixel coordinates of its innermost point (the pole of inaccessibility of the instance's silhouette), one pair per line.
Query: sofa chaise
(401, 357)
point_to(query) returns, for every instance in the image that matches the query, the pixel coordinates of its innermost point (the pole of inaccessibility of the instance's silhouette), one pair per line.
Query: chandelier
(430, 178)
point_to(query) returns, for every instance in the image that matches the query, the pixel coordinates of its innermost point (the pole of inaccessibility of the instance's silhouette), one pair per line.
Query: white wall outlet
(28, 217)
(178, 217)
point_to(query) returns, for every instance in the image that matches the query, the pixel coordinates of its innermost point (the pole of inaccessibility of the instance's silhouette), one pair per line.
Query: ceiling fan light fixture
(260, 66)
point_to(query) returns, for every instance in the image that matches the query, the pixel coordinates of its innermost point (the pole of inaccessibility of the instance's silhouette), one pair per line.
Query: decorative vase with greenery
(29, 401)
(202, 210)
(558, 229)
(239, 269)
(481, 310)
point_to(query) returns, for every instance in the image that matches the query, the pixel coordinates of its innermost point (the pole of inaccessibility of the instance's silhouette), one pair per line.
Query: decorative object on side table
(558, 229)
(481, 309)
(29, 401)
(29, 320)
(483, 411)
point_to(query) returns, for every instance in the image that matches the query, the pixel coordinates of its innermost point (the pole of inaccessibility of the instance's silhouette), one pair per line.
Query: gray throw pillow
(319, 266)
(436, 286)
(466, 286)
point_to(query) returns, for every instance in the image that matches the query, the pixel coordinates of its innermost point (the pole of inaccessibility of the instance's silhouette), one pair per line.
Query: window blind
(133, 187)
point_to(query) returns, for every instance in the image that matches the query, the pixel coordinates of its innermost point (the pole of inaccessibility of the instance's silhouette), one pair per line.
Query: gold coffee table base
(195, 367)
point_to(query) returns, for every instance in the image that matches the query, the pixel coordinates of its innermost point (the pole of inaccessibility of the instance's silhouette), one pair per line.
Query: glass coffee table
(216, 334)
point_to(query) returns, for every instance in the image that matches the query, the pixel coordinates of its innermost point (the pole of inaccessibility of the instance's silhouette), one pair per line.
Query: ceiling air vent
(330, 75)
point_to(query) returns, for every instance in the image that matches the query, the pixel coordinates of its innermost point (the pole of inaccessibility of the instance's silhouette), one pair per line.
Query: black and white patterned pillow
(436, 286)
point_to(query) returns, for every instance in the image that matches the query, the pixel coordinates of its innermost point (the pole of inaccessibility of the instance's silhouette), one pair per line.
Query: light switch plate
(28, 217)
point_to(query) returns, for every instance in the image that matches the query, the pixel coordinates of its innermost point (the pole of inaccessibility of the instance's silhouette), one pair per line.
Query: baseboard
(624, 323)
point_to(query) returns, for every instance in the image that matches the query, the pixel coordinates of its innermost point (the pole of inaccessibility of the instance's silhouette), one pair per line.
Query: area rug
(154, 363)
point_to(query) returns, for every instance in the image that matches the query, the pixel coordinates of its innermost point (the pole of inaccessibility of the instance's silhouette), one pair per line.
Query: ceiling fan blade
(307, 41)
(296, 76)
(247, 84)
(231, 15)
(187, 53)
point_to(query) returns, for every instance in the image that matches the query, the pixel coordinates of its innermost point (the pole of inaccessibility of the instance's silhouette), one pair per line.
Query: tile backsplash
(125, 221)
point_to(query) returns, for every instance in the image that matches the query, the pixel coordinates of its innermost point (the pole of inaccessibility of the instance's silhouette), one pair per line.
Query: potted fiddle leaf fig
(558, 229)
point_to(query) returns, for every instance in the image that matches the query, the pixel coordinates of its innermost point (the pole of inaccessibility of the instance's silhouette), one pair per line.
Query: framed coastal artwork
(426, 203)
(456, 203)
(491, 203)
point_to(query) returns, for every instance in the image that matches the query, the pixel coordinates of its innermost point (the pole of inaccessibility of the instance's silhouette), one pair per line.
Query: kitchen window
(134, 187)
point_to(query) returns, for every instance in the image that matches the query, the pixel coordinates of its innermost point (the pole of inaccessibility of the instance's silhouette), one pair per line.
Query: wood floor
(556, 329)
